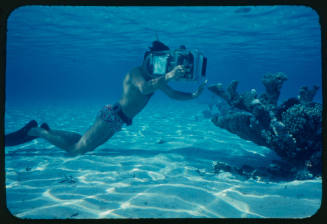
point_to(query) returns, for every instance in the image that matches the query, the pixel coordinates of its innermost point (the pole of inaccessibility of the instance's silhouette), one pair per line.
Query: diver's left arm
(178, 95)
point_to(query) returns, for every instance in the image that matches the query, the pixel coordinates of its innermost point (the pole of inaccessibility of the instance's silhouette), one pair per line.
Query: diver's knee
(80, 148)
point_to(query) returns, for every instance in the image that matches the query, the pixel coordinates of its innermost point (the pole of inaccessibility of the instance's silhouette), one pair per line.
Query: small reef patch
(293, 129)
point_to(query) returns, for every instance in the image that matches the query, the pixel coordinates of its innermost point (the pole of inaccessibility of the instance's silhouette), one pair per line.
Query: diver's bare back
(132, 100)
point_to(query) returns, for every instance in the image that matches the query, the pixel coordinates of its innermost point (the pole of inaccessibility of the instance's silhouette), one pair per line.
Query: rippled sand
(161, 167)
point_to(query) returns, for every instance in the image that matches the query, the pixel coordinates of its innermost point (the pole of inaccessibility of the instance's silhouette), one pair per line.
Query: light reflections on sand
(163, 185)
(133, 186)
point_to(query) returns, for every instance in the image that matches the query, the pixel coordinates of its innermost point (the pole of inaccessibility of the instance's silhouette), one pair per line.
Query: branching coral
(273, 84)
(306, 95)
(292, 130)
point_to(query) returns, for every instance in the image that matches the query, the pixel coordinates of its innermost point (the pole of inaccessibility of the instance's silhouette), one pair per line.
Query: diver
(139, 85)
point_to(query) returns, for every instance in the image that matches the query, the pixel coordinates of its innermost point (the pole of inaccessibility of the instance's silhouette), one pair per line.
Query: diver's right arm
(147, 87)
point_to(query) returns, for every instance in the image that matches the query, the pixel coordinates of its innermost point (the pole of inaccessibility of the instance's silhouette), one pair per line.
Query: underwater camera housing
(161, 62)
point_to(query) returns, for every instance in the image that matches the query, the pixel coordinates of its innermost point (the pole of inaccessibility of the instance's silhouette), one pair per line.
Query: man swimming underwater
(138, 87)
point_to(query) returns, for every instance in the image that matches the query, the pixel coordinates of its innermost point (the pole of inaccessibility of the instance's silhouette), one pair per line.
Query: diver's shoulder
(135, 71)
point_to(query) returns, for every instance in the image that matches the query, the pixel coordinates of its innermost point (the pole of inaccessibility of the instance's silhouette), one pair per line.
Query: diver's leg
(61, 139)
(74, 143)
(96, 135)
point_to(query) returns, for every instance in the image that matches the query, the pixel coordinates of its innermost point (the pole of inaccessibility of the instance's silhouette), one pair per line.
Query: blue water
(64, 63)
(59, 52)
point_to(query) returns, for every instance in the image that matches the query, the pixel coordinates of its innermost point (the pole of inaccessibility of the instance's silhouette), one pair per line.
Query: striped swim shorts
(109, 113)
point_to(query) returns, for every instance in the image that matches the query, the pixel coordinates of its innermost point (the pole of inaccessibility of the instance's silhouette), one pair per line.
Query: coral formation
(273, 83)
(292, 129)
(306, 95)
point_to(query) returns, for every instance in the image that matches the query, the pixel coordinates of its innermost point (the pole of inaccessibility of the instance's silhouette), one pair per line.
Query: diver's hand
(200, 89)
(176, 73)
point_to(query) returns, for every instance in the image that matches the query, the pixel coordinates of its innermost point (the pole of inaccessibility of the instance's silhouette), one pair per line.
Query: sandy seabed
(160, 167)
